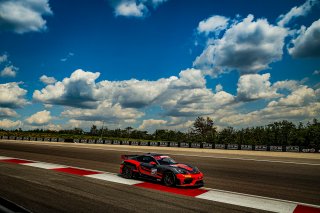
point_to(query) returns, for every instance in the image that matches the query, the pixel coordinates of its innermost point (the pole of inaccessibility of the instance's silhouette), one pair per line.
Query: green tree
(204, 127)
(93, 130)
(227, 135)
(313, 134)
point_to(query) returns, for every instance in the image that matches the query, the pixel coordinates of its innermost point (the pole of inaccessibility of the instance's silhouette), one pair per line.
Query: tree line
(281, 133)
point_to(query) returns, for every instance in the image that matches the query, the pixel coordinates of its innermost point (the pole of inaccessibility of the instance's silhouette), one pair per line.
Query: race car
(160, 168)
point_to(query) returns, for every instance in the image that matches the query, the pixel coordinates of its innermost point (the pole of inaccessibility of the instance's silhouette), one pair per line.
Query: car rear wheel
(169, 179)
(127, 172)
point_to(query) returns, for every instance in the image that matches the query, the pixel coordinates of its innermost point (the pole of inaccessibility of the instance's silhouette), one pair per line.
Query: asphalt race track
(287, 178)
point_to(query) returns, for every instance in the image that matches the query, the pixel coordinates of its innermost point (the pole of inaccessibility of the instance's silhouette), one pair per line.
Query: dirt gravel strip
(244, 200)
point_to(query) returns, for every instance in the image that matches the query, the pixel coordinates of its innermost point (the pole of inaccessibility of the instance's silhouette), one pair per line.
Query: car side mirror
(153, 163)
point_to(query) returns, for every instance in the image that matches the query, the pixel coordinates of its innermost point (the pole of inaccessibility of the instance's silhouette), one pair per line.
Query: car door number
(153, 171)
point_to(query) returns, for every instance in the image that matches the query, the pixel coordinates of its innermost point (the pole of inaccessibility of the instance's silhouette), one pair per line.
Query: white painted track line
(45, 165)
(5, 158)
(114, 178)
(249, 201)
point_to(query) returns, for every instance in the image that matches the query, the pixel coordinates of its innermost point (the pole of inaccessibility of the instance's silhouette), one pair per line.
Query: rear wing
(126, 157)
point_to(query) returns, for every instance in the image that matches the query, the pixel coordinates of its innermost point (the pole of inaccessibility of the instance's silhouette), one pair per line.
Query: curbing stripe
(114, 178)
(239, 199)
(306, 209)
(76, 171)
(17, 161)
(249, 201)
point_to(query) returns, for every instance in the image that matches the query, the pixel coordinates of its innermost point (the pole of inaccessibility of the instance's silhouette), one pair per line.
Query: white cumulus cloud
(137, 94)
(24, 16)
(172, 123)
(301, 96)
(3, 58)
(189, 78)
(213, 24)
(248, 46)
(194, 102)
(104, 112)
(295, 12)
(78, 91)
(40, 118)
(9, 124)
(47, 80)
(290, 85)
(9, 71)
(7, 112)
(135, 8)
(219, 87)
(255, 86)
(12, 95)
(307, 44)
(152, 124)
(130, 8)
(295, 102)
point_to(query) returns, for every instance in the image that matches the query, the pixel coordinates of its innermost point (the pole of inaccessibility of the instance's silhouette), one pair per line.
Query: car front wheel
(127, 172)
(169, 179)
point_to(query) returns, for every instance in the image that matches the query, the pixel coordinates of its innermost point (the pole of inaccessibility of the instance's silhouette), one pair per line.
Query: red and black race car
(161, 168)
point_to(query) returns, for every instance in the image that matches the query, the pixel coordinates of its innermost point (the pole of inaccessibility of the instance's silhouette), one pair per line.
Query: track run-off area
(64, 177)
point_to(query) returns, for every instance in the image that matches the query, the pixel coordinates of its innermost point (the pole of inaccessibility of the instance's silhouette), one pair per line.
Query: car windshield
(165, 160)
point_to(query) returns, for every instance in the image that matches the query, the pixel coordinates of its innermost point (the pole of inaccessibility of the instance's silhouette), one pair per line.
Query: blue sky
(158, 63)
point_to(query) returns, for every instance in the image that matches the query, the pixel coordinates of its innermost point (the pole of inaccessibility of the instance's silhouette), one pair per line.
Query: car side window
(140, 158)
(146, 159)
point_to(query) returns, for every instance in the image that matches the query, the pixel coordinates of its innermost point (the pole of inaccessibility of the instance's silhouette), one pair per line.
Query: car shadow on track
(160, 183)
